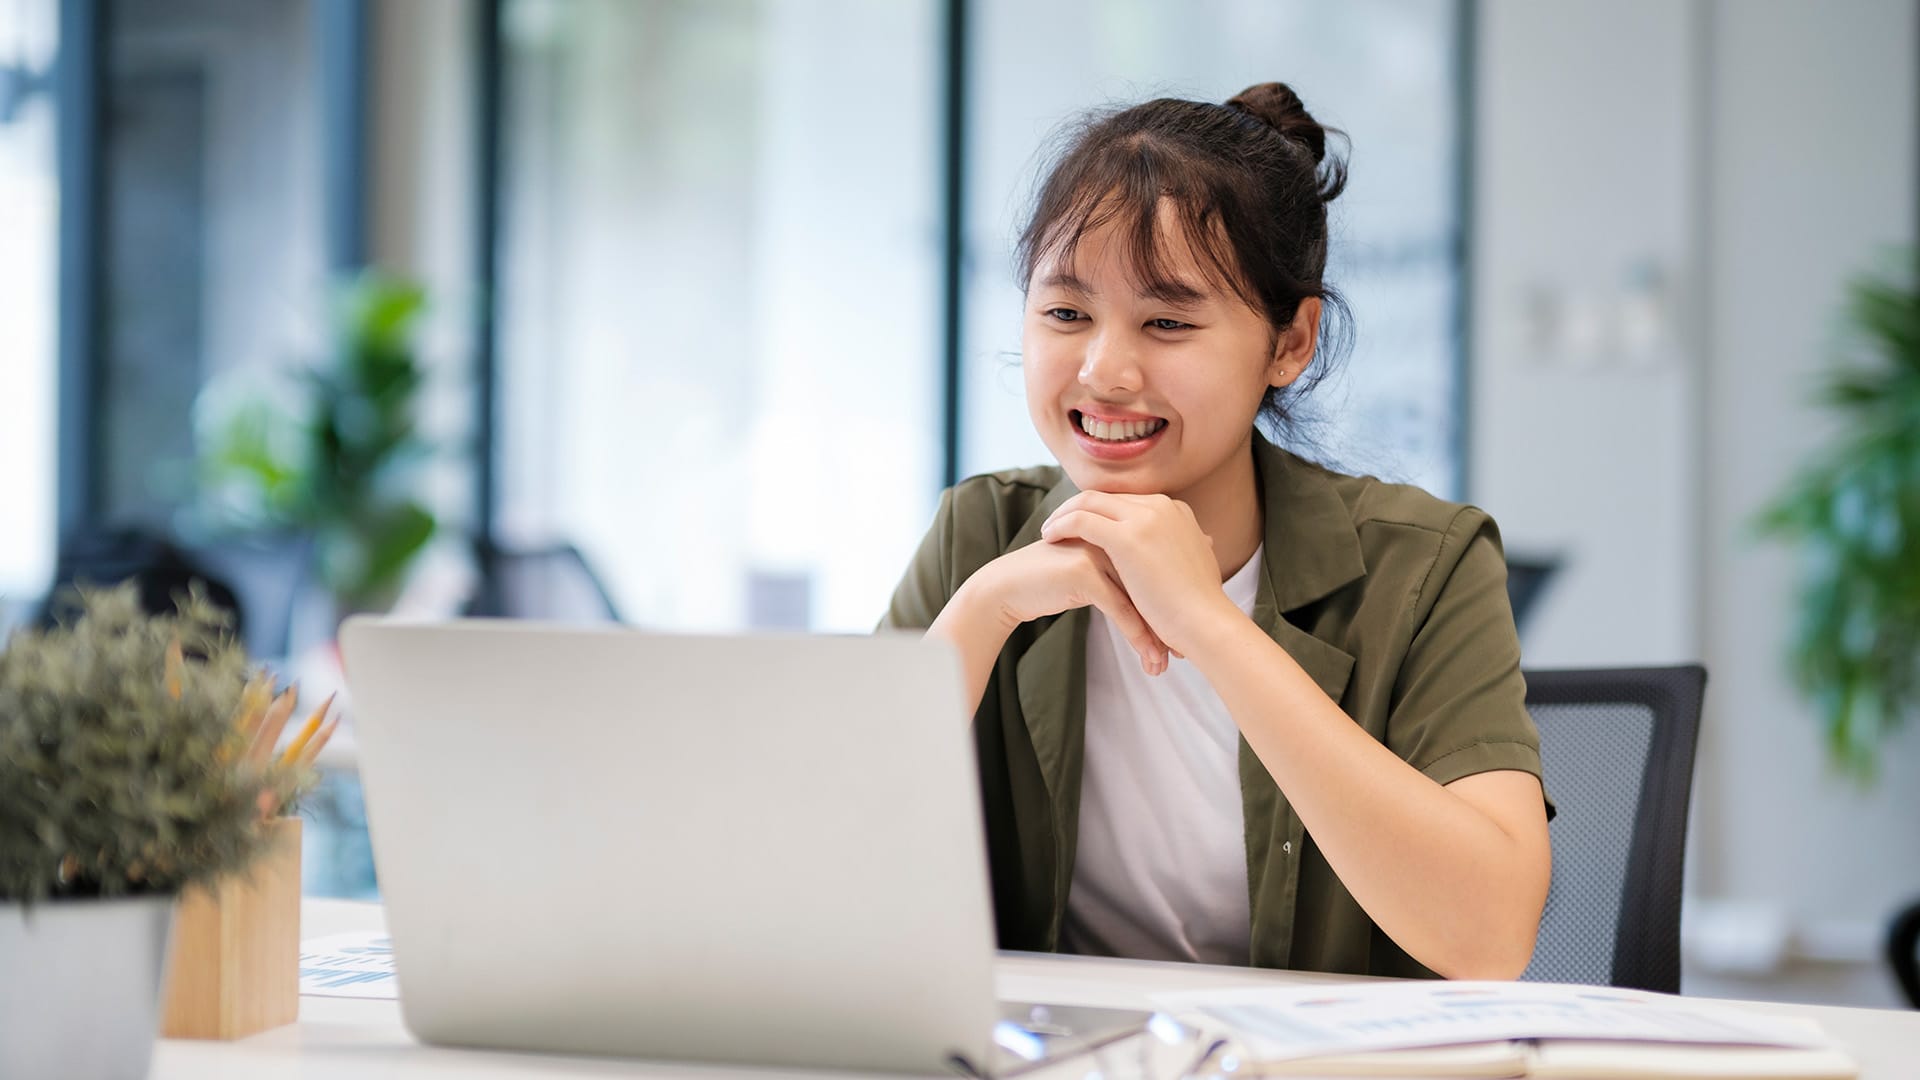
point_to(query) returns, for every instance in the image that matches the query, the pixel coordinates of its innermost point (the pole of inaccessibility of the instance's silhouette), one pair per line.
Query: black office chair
(554, 583)
(1527, 578)
(160, 571)
(1617, 747)
(1903, 951)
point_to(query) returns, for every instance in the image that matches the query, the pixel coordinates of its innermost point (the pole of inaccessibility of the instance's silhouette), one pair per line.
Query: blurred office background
(720, 299)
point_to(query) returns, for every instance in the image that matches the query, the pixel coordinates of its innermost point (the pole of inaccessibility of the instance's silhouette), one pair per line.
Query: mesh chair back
(1617, 748)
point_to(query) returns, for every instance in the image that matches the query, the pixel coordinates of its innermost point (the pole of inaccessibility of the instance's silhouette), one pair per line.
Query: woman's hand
(1048, 578)
(1162, 561)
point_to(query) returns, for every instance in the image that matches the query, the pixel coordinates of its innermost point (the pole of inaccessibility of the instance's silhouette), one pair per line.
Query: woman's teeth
(1121, 431)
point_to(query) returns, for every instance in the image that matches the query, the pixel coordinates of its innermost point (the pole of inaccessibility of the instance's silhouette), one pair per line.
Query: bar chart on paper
(356, 965)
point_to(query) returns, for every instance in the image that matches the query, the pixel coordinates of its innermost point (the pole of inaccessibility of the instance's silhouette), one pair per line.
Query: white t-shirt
(1161, 868)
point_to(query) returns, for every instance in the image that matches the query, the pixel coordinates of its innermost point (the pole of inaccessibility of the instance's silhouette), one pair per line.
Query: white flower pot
(80, 987)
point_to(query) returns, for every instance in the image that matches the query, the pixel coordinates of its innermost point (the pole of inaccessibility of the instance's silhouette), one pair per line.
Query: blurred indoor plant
(1854, 514)
(135, 762)
(333, 456)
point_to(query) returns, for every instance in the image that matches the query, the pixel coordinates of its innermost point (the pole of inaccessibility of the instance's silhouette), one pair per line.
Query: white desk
(364, 1040)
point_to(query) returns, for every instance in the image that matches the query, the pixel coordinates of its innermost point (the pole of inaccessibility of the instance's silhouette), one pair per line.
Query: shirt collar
(1312, 548)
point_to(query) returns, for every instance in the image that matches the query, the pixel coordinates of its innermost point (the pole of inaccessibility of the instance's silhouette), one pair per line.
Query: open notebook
(1567, 1059)
(1495, 1030)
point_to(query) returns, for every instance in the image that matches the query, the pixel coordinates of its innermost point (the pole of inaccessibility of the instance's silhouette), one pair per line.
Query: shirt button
(1286, 848)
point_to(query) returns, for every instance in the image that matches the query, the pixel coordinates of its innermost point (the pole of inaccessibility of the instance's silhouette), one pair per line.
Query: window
(720, 258)
(718, 336)
(1385, 71)
(211, 253)
(29, 268)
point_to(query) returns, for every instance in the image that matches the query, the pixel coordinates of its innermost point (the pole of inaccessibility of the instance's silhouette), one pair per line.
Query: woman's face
(1143, 394)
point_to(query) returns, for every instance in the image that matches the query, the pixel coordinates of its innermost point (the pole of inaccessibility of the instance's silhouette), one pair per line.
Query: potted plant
(1854, 515)
(329, 459)
(137, 760)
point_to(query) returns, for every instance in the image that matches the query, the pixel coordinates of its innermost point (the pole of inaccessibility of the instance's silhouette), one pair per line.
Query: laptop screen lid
(751, 849)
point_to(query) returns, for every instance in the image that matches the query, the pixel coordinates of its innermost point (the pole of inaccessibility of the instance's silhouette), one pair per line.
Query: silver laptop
(745, 849)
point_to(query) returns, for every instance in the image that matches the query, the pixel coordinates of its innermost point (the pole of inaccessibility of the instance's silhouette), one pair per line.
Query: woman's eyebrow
(1175, 292)
(1065, 280)
(1166, 290)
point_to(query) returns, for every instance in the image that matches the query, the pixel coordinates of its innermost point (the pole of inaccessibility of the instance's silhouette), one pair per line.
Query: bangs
(1132, 189)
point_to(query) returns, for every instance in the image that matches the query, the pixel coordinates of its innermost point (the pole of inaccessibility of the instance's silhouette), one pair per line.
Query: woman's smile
(1115, 436)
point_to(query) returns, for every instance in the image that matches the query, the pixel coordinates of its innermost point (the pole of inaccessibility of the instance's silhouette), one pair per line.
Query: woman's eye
(1168, 324)
(1063, 314)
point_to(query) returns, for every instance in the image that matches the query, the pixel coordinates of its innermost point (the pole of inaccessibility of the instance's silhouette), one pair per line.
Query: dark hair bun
(1276, 105)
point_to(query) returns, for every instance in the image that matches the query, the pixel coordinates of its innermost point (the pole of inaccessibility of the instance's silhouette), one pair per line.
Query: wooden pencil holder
(236, 948)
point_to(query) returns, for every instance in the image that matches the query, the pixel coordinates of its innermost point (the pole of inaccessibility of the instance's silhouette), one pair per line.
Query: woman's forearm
(1459, 886)
(977, 626)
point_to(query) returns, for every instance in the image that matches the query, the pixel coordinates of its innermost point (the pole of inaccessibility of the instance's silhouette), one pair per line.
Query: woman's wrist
(983, 608)
(977, 624)
(1220, 632)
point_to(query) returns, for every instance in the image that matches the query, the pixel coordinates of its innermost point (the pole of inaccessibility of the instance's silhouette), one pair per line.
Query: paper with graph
(358, 965)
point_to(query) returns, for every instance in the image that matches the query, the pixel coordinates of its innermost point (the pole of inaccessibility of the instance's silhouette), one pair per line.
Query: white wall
(1580, 445)
(1670, 197)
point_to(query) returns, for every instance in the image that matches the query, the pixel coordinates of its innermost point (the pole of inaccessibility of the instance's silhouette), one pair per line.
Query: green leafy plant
(129, 752)
(333, 456)
(1854, 513)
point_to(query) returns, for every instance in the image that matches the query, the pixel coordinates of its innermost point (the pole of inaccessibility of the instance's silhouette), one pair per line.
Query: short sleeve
(1460, 703)
(927, 585)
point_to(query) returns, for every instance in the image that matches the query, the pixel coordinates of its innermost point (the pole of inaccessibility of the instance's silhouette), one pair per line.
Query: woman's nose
(1109, 366)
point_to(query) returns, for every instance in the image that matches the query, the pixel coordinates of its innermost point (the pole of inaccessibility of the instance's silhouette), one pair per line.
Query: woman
(1231, 707)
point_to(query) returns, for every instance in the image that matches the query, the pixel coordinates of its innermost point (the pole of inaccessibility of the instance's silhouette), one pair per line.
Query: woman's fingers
(1105, 504)
(1048, 578)
(1102, 532)
(1153, 657)
(1113, 602)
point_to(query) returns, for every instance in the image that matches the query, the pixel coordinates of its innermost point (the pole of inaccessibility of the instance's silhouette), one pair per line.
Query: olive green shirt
(1392, 600)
